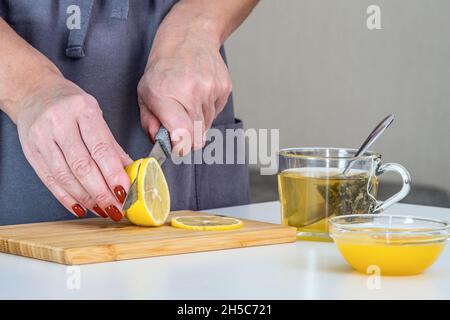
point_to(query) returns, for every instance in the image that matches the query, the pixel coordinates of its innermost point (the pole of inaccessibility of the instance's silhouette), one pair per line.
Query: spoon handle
(379, 129)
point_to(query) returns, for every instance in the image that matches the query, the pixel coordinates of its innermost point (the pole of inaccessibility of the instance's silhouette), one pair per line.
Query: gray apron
(106, 57)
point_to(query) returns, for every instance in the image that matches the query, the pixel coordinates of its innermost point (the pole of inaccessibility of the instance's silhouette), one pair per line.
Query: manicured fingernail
(114, 213)
(79, 210)
(99, 211)
(120, 193)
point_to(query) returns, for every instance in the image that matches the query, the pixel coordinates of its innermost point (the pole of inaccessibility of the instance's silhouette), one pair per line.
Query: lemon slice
(153, 200)
(204, 223)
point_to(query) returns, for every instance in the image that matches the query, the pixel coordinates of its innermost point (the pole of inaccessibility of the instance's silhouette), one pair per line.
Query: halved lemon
(152, 206)
(205, 223)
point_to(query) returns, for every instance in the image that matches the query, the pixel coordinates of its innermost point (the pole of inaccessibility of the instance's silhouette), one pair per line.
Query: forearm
(210, 20)
(220, 17)
(23, 71)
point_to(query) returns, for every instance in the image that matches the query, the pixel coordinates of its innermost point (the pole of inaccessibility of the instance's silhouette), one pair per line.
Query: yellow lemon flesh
(204, 223)
(152, 206)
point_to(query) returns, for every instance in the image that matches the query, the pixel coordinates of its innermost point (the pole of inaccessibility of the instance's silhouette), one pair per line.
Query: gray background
(312, 69)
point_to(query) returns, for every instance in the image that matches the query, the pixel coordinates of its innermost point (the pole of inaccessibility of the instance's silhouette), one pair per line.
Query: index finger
(174, 117)
(99, 141)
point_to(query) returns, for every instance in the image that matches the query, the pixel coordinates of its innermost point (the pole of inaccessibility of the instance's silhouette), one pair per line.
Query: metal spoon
(373, 136)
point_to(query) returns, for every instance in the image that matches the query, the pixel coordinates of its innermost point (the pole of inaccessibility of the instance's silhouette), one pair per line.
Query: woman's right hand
(69, 145)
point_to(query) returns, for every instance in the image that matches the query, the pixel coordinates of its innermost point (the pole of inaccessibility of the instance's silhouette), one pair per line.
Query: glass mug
(313, 188)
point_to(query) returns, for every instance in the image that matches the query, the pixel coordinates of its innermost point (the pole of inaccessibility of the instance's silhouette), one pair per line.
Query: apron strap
(75, 43)
(119, 9)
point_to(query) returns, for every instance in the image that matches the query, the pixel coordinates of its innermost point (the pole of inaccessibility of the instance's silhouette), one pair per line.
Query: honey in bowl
(376, 242)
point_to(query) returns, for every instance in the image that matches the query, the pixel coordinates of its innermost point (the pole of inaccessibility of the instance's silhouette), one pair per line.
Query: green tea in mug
(309, 196)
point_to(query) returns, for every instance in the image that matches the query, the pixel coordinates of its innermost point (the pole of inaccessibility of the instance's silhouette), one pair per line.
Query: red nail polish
(120, 193)
(114, 213)
(79, 210)
(99, 211)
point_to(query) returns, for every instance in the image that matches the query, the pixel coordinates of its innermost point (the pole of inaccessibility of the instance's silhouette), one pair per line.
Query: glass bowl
(388, 244)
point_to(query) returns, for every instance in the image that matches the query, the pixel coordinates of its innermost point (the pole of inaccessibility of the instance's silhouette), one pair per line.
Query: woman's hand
(69, 145)
(185, 81)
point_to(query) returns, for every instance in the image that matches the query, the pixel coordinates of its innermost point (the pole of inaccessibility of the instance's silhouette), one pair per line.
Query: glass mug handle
(406, 177)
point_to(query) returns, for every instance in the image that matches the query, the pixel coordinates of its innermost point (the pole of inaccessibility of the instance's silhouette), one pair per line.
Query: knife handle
(164, 139)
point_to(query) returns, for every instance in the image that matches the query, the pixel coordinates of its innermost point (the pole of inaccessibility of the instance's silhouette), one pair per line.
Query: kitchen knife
(161, 150)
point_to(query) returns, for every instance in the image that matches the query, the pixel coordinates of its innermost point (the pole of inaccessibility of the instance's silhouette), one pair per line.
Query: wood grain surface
(100, 240)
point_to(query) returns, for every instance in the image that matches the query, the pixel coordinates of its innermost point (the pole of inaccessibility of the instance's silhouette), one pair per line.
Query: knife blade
(131, 195)
(161, 150)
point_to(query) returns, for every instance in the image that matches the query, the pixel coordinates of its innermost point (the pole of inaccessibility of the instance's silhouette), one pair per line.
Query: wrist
(186, 25)
(31, 87)
(201, 16)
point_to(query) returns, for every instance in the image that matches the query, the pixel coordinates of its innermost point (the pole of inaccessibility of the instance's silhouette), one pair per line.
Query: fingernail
(79, 210)
(99, 211)
(120, 193)
(114, 213)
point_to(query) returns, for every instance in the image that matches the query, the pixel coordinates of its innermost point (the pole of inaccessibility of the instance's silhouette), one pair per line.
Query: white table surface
(301, 270)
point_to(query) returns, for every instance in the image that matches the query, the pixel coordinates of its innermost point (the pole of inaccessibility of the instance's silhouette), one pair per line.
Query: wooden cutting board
(99, 240)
